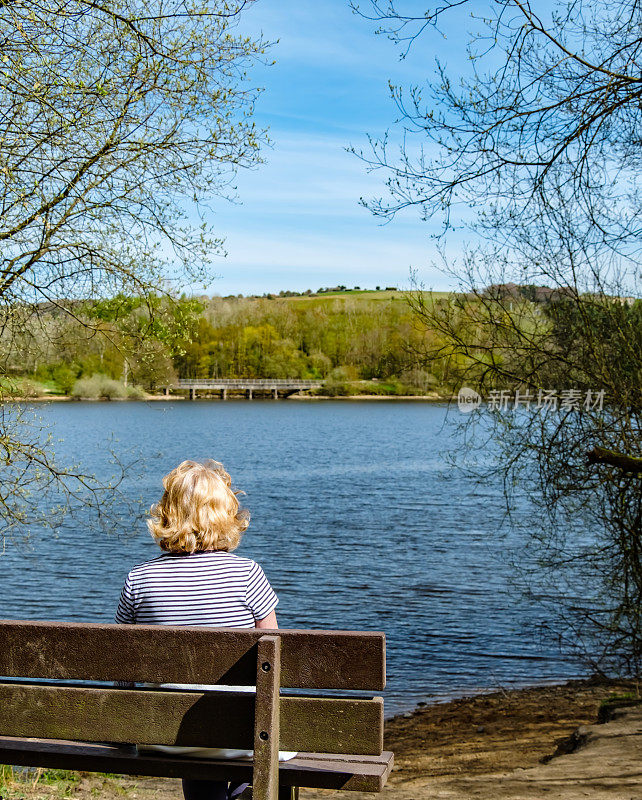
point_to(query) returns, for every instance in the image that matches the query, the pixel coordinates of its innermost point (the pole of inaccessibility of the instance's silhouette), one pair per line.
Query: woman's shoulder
(232, 558)
(241, 565)
(144, 566)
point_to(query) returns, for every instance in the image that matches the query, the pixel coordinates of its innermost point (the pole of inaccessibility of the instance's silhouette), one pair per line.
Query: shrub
(136, 393)
(100, 386)
(64, 377)
(29, 388)
(334, 389)
(87, 388)
(343, 374)
(419, 379)
(113, 390)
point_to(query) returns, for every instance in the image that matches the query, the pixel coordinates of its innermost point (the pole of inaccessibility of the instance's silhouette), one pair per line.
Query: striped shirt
(213, 588)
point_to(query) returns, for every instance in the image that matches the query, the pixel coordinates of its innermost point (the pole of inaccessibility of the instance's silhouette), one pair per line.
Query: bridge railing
(241, 383)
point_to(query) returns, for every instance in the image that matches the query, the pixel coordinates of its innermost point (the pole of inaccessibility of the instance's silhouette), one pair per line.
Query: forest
(355, 341)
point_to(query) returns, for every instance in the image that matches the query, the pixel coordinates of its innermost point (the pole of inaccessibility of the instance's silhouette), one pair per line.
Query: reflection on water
(356, 519)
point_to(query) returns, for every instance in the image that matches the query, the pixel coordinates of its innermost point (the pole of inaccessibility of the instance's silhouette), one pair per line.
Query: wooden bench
(59, 706)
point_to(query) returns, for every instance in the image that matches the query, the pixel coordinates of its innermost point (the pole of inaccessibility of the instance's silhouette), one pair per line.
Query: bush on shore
(101, 387)
(388, 388)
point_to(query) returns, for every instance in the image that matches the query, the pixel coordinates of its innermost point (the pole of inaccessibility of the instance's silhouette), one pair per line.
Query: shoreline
(591, 686)
(154, 398)
(425, 398)
(437, 700)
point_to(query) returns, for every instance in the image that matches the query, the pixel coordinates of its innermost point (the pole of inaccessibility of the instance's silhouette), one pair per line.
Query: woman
(199, 581)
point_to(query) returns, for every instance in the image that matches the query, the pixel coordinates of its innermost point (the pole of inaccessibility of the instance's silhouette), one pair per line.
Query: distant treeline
(355, 341)
(343, 339)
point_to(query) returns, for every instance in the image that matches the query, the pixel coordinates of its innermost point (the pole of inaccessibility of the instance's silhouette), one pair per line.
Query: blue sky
(298, 223)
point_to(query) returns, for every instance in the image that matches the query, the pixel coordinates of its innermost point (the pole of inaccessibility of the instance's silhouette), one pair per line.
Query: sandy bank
(493, 747)
(426, 398)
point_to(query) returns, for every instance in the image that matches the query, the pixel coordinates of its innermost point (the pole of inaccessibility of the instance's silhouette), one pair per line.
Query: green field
(368, 294)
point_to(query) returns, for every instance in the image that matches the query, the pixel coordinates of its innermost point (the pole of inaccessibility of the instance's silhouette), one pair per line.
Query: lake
(357, 520)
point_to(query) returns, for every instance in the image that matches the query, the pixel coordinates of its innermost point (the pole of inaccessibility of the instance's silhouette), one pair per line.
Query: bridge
(245, 386)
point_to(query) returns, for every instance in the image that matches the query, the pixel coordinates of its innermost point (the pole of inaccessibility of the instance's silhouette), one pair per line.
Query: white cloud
(308, 176)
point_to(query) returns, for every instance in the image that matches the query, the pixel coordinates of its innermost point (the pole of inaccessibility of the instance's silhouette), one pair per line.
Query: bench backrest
(271, 660)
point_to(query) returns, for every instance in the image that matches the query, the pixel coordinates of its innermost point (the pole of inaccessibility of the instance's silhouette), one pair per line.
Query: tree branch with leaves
(120, 122)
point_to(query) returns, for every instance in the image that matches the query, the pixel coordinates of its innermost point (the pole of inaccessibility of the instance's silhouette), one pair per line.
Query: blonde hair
(198, 511)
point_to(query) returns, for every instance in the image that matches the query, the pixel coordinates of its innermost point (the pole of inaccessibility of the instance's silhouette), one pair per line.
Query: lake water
(356, 518)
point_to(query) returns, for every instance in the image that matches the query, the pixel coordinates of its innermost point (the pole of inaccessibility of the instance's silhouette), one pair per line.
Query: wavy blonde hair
(198, 511)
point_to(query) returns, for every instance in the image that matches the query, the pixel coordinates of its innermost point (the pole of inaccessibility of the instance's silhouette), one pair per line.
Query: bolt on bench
(52, 716)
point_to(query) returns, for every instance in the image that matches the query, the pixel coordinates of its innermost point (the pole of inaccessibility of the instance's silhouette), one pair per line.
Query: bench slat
(168, 654)
(310, 770)
(207, 719)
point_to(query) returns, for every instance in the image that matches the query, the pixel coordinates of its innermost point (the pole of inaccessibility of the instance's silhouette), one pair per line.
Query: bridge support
(167, 391)
(248, 394)
(275, 393)
(223, 394)
(192, 394)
